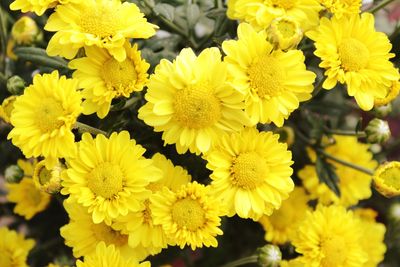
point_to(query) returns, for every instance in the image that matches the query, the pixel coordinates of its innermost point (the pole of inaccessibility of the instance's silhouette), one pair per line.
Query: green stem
(82, 127)
(346, 133)
(318, 87)
(242, 261)
(3, 41)
(218, 4)
(381, 5)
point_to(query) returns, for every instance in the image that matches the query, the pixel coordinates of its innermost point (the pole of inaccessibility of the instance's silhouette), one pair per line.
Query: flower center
(287, 28)
(391, 177)
(353, 54)
(44, 175)
(102, 21)
(5, 259)
(147, 219)
(266, 77)
(285, 4)
(187, 213)
(196, 106)
(334, 249)
(103, 232)
(119, 76)
(248, 170)
(106, 180)
(48, 115)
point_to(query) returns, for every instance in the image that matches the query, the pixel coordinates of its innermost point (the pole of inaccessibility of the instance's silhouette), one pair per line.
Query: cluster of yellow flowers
(124, 207)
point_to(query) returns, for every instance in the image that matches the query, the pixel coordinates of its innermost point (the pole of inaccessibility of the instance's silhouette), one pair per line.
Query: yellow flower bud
(285, 33)
(25, 31)
(387, 179)
(377, 131)
(7, 107)
(48, 180)
(392, 93)
(269, 256)
(10, 49)
(286, 134)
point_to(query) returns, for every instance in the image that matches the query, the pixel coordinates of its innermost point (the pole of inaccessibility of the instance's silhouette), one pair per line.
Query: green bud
(394, 212)
(269, 256)
(15, 85)
(377, 131)
(13, 174)
(383, 111)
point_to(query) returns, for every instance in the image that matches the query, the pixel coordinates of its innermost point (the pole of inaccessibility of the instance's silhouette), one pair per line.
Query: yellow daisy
(330, 237)
(281, 225)
(109, 175)
(260, 13)
(108, 256)
(354, 185)
(342, 7)
(82, 235)
(274, 82)
(189, 216)
(7, 107)
(44, 116)
(102, 23)
(37, 6)
(103, 78)
(191, 102)
(353, 53)
(250, 173)
(14, 248)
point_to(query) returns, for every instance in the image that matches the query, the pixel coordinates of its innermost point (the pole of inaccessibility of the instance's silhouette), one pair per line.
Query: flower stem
(346, 133)
(242, 261)
(381, 5)
(318, 87)
(82, 127)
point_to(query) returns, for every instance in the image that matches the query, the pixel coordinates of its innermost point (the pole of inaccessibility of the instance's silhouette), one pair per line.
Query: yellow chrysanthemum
(274, 82)
(44, 116)
(260, 13)
(387, 179)
(353, 53)
(139, 225)
(102, 23)
(14, 248)
(251, 173)
(109, 175)
(292, 263)
(7, 107)
(37, 6)
(330, 237)
(189, 216)
(108, 256)
(342, 7)
(191, 102)
(281, 225)
(48, 181)
(391, 93)
(103, 78)
(354, 185)
(83, 235)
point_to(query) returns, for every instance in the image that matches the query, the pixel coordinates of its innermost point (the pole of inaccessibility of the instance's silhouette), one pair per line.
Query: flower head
(340, 8)
(7, 107)
(109, 175)
(387, 179)
(44, 116)
(285, 33)
(103, 78)
(274, 82)
(250, 173)
(14, 248)
(37, 6)
(46, 180)
(25, 31)
(191, 102)
(102, 23)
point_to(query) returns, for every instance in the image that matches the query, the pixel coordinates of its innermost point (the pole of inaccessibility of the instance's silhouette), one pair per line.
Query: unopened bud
(387, 179)
(25, 31)
(16, 85)
(46, 180)
(13, 174)
(269, 256)
(377, 131)
(383, 111)
(285, 33)
(394, 212)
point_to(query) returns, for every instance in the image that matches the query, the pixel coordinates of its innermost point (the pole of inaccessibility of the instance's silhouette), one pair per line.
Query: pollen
(266, 76)
(188, 214)
(119, 76)
(106, 180)
(103, 21)
(248, 170)
(105, 233)
(48, 115)
(196, 106)
(353, 54)
(334, 250)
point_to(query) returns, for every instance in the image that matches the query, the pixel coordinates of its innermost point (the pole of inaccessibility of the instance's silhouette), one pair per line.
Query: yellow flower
(25, 31)
(83, 235)
(330, 237)
(250, 173)
(102, 23)
(103, 78)
(284, 33)
(387, 180)
(189, 216)
(37, 6)
(292, 263)
(342, 7)
(354, 185)
(353, 53)
(281, 225)
(108, 256)
(14, 248)
(140, 225)
(46, 180)
(7, 107)
(109, 176)
(44, 116)
(391, 93)
(274, 82)
(191, 102)
(260, 13)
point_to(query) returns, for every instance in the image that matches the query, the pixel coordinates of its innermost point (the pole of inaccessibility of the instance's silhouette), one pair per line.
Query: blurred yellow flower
(340, 8)
(387, 179)
(14, 248)
(7, 107)
(37, 6)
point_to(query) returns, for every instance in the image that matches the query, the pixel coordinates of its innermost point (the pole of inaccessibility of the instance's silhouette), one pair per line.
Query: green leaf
(165, 10)
(40, 57)
(192, 14)
(327, 174)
